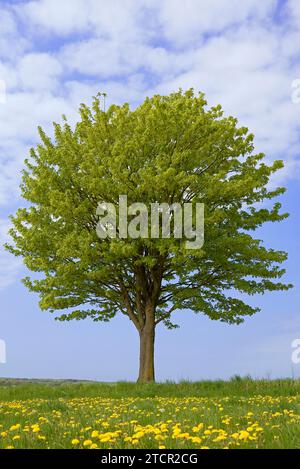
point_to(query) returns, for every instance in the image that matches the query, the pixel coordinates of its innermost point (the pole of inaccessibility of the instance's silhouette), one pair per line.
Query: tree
(171, 149)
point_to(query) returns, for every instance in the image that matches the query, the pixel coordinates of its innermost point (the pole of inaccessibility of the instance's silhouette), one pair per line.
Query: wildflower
(226, 421)
(219, 438)
(138, 435)
(43, 419)
(196, 439)
(104, 439)
(197, 428)
(15, 427)
(87, 443)
(244, 435)
(35, 428)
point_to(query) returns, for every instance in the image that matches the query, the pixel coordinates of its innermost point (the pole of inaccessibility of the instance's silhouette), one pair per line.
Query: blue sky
(244, 55)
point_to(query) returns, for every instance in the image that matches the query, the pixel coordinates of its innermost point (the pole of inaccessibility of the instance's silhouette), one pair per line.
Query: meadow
(241, 413)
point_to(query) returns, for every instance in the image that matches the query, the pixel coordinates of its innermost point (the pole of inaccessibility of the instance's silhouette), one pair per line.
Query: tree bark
(147, 338)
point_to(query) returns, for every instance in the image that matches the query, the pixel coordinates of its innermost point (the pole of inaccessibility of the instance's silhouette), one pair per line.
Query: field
(241, 413)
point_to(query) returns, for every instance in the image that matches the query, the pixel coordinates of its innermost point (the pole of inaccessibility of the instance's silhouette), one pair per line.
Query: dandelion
(87, 443)
(244, 435)
(15, 427)
(219, 438)
(35, 428)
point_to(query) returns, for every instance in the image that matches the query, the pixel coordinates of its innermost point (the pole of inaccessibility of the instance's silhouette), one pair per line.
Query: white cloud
(132, 90)
(8, 25)
(12, 155)
(113, 19)
(9, 266)
(20, 116)
(293, 6)
(8, 75)
(246, 71)
(187, 21)
(24, 111)
(10, 44)
(97, 57)
(61, 17)
(39, 71)
(110, 58)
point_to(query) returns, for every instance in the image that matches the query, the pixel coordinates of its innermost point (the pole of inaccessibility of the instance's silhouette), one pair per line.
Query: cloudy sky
(245, 55)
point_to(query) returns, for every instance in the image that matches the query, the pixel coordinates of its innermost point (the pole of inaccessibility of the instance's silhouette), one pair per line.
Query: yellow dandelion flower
(15, 427)
(219, 438)
(196, 439)
(87, 443)
(244, 435)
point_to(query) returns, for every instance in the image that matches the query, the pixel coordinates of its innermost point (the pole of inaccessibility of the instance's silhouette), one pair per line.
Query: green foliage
(170, 149)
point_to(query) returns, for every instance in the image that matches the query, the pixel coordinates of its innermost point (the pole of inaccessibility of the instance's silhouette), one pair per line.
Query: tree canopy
(170, 149)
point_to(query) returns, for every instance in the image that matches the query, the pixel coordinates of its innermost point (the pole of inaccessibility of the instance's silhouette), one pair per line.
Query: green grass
(240, 413)
(26, 389)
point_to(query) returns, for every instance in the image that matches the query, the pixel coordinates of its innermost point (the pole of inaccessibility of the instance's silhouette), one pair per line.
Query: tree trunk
(147, 337)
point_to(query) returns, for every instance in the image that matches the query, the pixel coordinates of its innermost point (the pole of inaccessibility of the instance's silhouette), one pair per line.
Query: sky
(244, 55)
